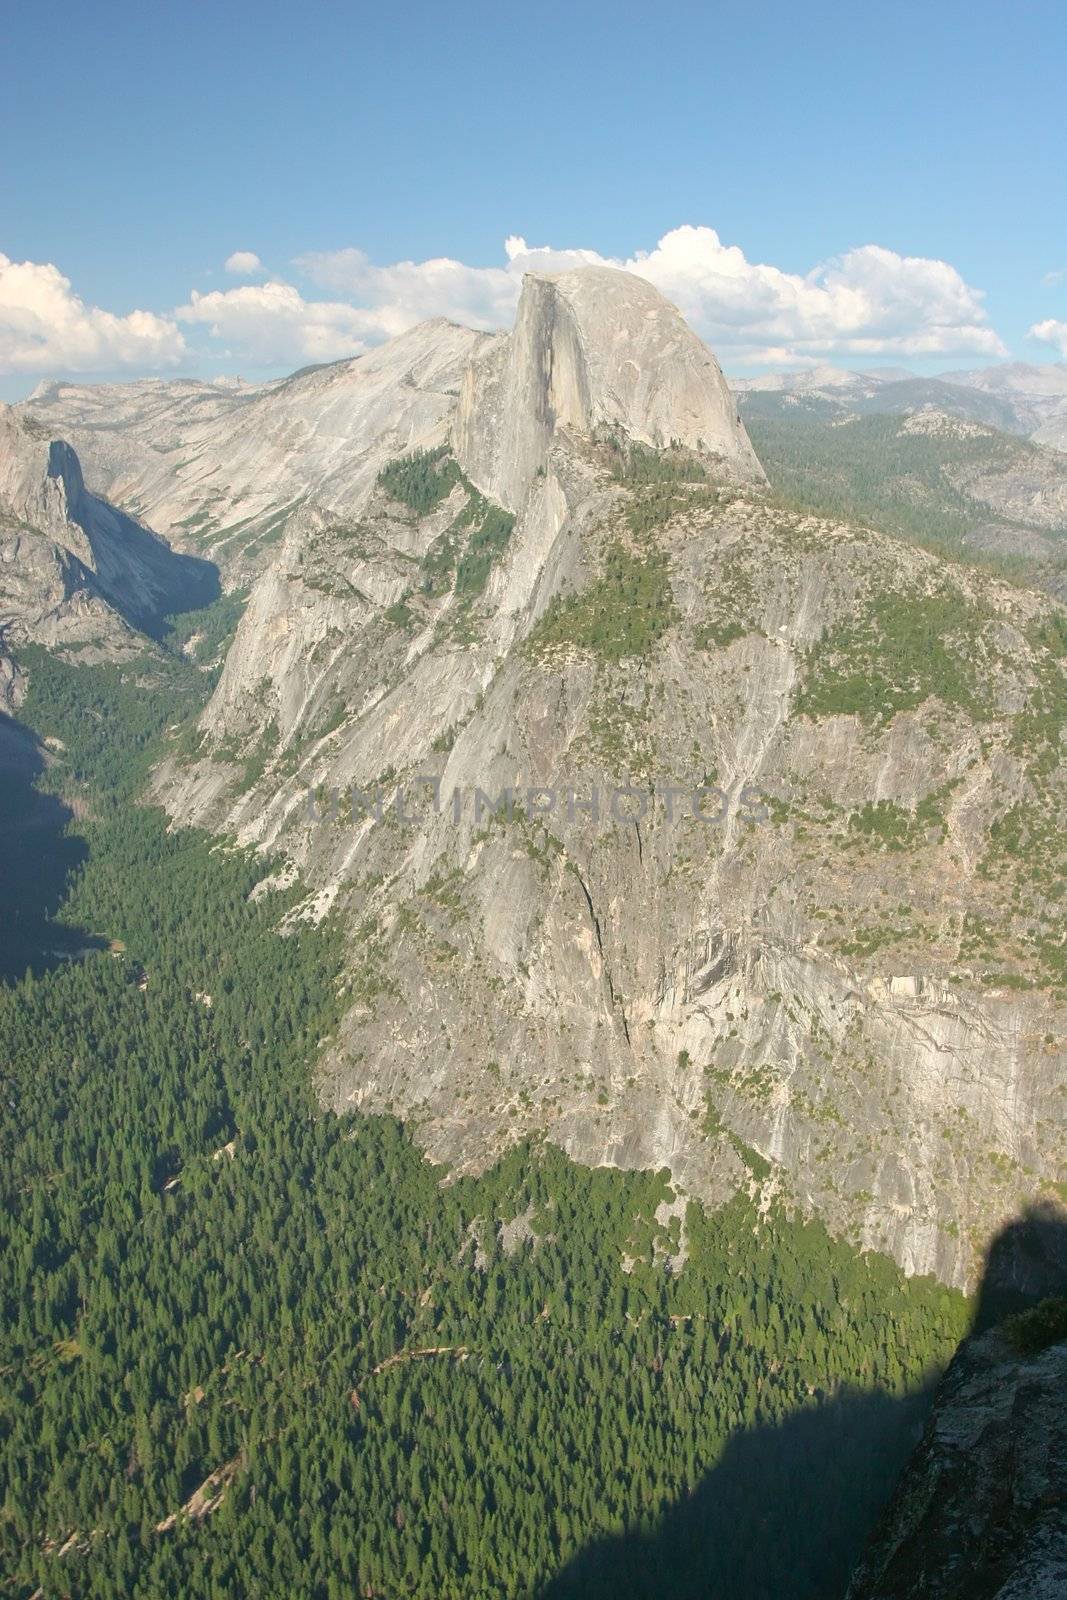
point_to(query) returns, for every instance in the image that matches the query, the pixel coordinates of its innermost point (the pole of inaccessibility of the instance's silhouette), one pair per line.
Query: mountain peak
(594, 349)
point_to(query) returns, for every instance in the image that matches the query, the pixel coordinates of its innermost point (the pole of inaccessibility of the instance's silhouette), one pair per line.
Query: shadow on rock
(980, 1512)
(1026, 1262)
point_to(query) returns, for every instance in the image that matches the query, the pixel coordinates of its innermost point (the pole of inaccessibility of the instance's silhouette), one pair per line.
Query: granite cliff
(222, 468)
(837, 975)
(76, 573)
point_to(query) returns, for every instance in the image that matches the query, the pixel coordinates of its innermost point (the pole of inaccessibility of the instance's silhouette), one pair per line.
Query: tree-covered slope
(946, 482)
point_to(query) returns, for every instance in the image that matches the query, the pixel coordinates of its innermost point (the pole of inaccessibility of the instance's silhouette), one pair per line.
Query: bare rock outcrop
(223, 469)
(74, 570)
(981, 1510)
(594, 351)
(800, 997)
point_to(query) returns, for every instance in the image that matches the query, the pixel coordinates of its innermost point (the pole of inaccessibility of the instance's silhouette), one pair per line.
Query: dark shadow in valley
(37, 857)
(784, 1515)
(979, 1512)
(787, 1512)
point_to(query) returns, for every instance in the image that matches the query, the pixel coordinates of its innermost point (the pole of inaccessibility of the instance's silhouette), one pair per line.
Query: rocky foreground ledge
(981, 1510)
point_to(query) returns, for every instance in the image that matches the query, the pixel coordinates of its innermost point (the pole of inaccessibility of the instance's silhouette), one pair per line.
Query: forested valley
(249, 1348)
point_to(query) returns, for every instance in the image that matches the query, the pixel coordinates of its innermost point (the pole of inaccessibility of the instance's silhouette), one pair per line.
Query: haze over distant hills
(1014, 396)
(969, 467)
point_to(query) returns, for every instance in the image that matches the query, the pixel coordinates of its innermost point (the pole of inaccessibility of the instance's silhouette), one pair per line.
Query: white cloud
(271, 324)
(45, 327)
(870, 301)
(243, 263)
(407, 292)
(410, 291)
(1051, 332)
(1052, 279)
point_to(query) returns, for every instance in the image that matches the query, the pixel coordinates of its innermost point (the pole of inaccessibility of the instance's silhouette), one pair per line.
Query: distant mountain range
(1015, 397)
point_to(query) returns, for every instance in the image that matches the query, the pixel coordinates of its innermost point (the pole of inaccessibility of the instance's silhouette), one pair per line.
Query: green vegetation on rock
(463, 556)
(637, 465)
(883, 821)
(421, 480)
(733, 604)
(204, 635)
(624, 612)
(1042, 1325)
(899, 651)
(874, 471)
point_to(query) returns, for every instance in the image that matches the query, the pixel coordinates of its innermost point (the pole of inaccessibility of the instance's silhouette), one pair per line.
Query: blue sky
(766, 144)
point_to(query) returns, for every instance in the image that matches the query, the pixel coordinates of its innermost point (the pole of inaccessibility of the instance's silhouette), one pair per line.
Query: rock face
(74, 570)
(837, 974)
(981, 1511)
(817, 947)
(594, 352)
(222, 469)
